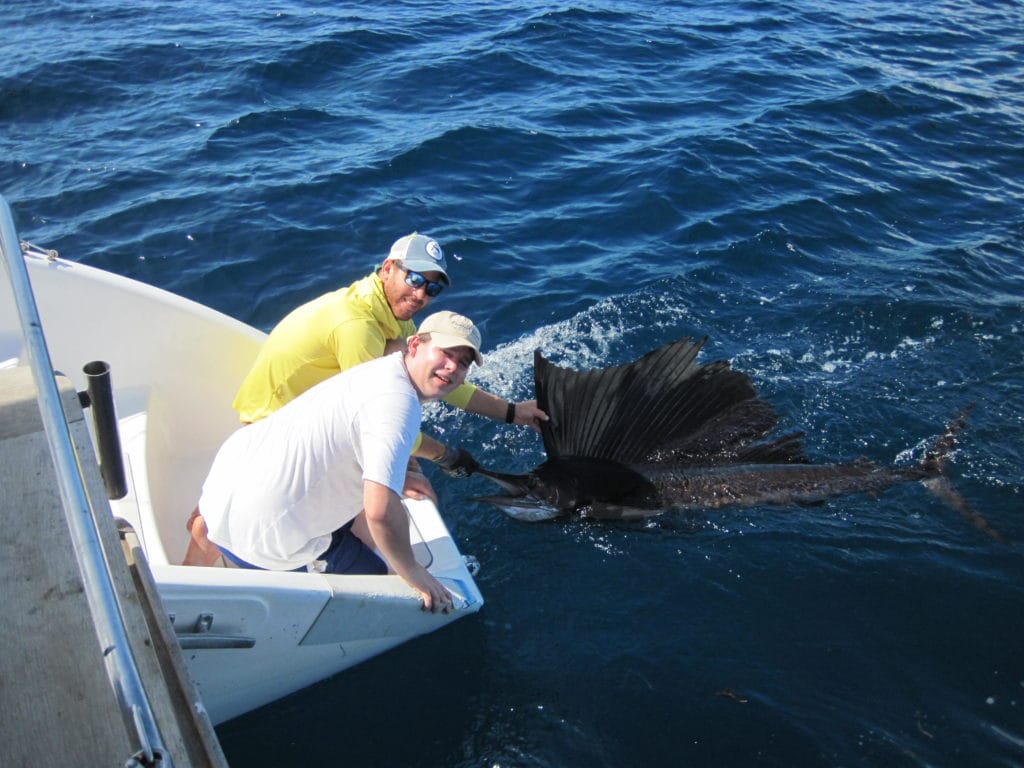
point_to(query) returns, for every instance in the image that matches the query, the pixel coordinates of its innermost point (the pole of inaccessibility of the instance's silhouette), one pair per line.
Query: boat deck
(56, 700)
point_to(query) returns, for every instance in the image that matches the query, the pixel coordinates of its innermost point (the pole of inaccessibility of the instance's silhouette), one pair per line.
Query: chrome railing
(99, 588)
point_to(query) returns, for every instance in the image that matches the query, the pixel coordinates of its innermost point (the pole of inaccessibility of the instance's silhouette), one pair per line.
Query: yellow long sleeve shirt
(323, 337)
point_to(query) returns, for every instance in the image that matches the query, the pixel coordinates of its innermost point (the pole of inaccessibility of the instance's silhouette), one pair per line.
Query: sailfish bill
(666, 432)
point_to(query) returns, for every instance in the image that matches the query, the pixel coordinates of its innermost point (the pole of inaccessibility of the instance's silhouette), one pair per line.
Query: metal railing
(99, 588)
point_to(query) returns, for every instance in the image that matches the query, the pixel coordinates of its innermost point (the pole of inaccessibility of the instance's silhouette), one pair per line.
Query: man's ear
(413, 344)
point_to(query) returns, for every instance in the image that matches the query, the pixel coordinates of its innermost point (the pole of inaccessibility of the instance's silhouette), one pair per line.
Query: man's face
(404, 300)
(435, 371)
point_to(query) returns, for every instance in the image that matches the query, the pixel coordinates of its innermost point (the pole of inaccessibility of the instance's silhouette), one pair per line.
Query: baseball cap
(420, 254)
(448, 330)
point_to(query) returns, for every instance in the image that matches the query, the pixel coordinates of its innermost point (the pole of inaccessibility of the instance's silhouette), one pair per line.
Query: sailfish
(666, 432)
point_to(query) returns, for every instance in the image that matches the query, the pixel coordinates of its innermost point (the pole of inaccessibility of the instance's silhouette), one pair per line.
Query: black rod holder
(108, 440)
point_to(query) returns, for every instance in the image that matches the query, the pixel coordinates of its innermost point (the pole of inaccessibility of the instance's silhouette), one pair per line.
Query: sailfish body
(666, 432)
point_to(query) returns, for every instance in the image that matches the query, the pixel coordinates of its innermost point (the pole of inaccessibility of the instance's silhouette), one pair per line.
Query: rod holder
(108, 440)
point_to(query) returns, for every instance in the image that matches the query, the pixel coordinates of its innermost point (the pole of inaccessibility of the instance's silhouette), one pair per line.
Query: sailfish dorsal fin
(664, 402)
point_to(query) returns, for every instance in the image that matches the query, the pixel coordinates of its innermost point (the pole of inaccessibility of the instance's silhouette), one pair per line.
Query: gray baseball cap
(420, 254)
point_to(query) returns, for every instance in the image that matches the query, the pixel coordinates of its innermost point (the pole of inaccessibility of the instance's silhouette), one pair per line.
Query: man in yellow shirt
(363, 321)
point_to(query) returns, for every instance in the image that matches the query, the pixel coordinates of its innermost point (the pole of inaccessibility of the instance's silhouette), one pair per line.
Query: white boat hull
(249, 637)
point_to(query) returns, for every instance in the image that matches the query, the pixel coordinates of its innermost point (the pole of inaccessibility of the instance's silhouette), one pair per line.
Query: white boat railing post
(99, 589)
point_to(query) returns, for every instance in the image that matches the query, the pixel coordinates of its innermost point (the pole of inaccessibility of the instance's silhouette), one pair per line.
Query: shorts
(346, 554)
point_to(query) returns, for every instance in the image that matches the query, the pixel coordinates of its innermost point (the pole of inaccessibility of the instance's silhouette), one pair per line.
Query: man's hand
(388, 526)
(527, 414)
(457, 462)
(433, 594)
(417, 486)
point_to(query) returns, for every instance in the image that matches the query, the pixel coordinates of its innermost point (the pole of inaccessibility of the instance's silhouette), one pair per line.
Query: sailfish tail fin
(934, 464)
(945, 491)
(937, 457)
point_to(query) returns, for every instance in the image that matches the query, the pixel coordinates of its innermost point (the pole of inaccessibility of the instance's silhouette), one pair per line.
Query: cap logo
(460, 323)
(434, 250)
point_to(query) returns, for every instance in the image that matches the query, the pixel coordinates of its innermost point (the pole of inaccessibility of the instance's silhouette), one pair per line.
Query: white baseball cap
(449, 330)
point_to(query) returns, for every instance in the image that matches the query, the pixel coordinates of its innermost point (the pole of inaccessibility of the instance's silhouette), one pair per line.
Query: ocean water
(832, 192)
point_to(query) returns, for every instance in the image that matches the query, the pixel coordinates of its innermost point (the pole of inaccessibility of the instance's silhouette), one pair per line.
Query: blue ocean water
(832, 192)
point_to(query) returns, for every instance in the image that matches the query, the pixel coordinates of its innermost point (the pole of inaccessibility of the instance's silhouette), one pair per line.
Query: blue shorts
(346, 554)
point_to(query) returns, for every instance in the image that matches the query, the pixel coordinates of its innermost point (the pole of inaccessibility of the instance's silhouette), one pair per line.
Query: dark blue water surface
(833, 192)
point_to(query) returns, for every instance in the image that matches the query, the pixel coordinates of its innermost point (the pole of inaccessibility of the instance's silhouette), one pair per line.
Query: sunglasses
(416, 280)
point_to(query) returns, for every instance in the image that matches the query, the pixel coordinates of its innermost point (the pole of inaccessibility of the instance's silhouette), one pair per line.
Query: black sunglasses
(416, 280)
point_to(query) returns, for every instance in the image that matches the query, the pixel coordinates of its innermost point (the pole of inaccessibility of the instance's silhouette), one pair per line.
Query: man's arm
(417, 485)
(456, 462)
(459, 463)
(526, 413)
(389, 525)
(429, 448)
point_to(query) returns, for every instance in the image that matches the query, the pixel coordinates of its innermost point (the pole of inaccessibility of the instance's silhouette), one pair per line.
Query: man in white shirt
(318, 483)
